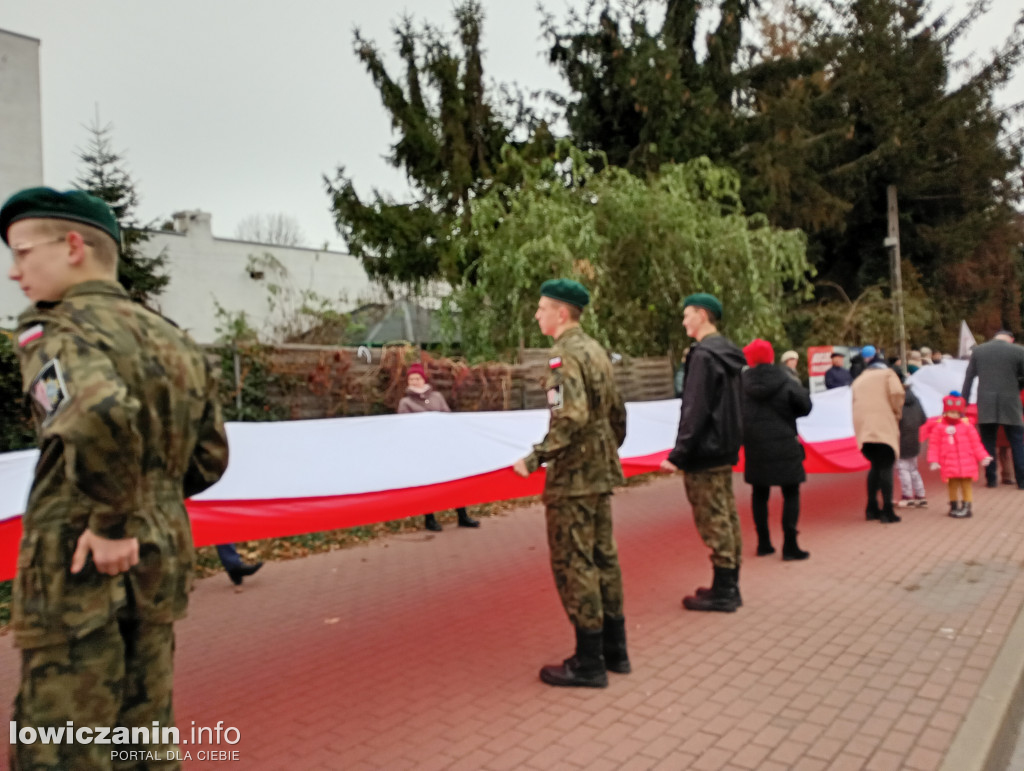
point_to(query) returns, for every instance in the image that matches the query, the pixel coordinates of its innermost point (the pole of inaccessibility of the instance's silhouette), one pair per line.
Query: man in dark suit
(999, 367)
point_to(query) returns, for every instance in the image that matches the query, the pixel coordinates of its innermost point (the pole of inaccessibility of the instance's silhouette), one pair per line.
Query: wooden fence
(310, 381)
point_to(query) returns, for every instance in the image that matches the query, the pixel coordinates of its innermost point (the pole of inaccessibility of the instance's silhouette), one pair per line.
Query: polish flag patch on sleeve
(555, 363)
(32, 333)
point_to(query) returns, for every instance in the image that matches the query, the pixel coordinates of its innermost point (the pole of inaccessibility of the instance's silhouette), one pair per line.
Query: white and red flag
(305, 476)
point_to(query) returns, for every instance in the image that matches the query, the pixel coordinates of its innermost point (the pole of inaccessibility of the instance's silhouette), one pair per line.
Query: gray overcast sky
(239, 107)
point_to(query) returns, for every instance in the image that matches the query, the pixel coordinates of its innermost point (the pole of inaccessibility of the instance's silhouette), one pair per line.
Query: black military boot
(705, 591)
(465, 520)
(431, 523)
(585, 669)
(791, 550)
(724, 595)
(616, 659)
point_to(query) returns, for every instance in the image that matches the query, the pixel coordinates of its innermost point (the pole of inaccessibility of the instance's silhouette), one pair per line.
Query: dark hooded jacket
(772, 401)
(911, 420)
(710, 424)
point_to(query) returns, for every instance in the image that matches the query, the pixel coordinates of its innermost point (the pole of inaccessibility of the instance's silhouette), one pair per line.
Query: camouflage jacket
(128, 426)
(588, 420)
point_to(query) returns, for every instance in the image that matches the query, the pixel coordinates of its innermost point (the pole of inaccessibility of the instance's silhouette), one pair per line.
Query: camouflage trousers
(118, 675)
(714, 513)
(584, 559)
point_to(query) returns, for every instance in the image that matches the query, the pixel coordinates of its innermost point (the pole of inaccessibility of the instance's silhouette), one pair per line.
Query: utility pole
(892, 243)
(238, 381)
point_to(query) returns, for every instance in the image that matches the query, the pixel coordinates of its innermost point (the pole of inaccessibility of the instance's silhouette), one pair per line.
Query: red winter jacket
(957, 448)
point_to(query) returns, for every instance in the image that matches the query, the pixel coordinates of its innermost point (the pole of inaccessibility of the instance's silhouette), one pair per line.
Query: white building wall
(206, 272)
(21, 141)
(21, 122)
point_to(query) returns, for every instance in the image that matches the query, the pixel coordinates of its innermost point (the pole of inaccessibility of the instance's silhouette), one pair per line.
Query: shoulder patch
(555, 363)
(32, 333)
(48, 388)
(555, 398)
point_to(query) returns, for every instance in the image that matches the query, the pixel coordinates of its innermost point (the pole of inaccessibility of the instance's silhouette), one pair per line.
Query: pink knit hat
(954, 403)
(417, 369)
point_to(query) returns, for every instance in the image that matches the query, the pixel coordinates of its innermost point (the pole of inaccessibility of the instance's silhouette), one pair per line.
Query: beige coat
(877, 404)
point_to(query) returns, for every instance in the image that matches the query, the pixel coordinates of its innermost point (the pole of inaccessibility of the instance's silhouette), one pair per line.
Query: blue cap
(868, 352)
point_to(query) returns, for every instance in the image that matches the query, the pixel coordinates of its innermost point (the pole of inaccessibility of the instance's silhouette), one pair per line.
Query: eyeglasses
(21, 251)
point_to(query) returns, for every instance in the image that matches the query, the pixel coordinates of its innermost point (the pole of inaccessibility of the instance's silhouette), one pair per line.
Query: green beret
(567, 291)
(706, 301)
(49, 204)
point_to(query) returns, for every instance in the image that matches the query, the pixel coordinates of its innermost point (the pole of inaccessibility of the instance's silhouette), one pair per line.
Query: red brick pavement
(422, 651)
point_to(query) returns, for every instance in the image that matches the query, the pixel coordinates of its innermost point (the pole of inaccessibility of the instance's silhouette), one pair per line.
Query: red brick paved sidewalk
(422, 651)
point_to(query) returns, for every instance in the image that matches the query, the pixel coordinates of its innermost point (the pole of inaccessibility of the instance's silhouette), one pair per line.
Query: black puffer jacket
(772, 401)
(710, 425)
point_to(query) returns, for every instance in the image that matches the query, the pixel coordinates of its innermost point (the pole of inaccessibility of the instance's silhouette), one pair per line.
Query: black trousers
(882, 459)
(790, 510)
(1015, 435)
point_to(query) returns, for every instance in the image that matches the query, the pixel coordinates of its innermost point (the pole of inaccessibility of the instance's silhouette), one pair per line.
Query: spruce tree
(865, 98)
(451, 130)
(640, 93)
(15, 427)
(104, 175)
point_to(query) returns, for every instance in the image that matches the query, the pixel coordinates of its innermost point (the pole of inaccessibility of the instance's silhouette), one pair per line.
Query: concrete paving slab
(422, 650)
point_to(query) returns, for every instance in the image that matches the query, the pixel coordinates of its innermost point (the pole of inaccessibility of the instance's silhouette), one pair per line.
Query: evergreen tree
(639, 93)
(104, 175)
(866, 100)
(839, 101)
(451, 131)
(15, 427)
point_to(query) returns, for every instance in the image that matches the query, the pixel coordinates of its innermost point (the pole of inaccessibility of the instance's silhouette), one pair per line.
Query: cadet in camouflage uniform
(128, 426)
(588, 424)
(707, 447)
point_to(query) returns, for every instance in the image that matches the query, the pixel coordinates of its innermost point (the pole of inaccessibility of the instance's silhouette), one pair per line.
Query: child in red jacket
(956, 448)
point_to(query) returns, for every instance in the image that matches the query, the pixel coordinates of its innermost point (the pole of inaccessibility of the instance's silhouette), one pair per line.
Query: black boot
(237, 574)
(465, 520)
(959, 510)
(724, 595)
(790, 549)
(705, 591)
(431, 523)
(616, 659)
(585, 669)
(872, 512)
(790, 516)
(889, 514)
(764, 537)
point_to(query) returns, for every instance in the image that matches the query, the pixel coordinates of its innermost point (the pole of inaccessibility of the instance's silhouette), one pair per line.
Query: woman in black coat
(772, 401)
